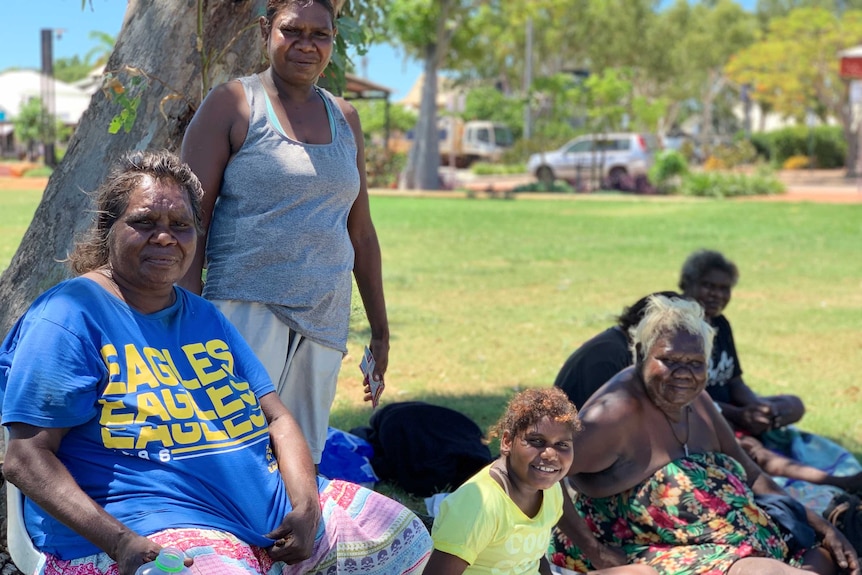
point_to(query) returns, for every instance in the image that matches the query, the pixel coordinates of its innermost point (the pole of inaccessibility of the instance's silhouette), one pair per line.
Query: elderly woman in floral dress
(662, 479)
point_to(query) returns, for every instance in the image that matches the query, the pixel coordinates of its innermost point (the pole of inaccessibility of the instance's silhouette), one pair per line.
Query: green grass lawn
(16, 211)
(487, 297)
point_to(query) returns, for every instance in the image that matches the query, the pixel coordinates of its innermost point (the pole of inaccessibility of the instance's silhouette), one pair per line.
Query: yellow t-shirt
(480, 524)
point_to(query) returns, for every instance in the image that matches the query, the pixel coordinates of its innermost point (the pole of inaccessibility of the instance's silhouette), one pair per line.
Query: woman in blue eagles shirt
(139, 418)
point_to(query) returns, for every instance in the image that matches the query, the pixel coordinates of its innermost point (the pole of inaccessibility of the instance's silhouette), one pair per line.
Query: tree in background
(713, 33)
(384, 160)
(557, 111)
(72, 69)
(489, 103)
(768, 10)
(76, 68)
(373, 116)
(606, 97)
(34, 125)
(794, 67)
(100, 53)
(559, 41)
(672, 57)
(436, 32)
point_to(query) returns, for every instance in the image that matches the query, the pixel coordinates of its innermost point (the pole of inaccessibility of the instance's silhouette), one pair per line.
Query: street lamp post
(48, 98)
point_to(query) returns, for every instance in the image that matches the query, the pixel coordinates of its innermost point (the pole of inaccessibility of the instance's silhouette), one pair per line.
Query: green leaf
(351, 32)
(116, 124)
(129, 122)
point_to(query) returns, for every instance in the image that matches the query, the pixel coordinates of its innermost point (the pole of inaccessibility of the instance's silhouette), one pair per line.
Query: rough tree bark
(159, 37)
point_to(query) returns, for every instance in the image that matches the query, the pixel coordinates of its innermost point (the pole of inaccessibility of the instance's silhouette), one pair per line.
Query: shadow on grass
(484, 409)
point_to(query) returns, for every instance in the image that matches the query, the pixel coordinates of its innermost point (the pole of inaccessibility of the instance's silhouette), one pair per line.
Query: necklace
(503, 474)
(112, 286)
(684, 443)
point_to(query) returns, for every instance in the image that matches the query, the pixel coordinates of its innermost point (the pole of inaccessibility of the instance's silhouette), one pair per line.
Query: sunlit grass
(16, 211)
(487, 297)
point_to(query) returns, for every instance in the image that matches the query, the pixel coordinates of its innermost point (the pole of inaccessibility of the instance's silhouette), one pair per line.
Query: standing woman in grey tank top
(282, 164)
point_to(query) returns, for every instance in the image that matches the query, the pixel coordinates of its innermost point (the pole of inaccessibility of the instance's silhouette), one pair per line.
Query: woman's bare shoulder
(619, 397)
(222, 120)
(348, 109)
(226, 96)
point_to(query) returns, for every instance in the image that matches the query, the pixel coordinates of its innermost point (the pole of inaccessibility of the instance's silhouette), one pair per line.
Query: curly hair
(700, 263)
(528, 407)
(273, 6)
(112, 200)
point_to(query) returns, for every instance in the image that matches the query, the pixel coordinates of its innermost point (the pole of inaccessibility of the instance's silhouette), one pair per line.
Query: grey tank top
(278, 234)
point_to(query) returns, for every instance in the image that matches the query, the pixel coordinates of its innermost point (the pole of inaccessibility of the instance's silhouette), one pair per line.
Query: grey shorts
(304, 372)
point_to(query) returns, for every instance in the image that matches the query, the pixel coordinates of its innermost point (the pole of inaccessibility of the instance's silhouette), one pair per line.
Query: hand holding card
(367, 366)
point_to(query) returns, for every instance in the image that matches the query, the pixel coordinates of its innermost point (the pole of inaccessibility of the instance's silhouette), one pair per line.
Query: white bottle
(168, 562)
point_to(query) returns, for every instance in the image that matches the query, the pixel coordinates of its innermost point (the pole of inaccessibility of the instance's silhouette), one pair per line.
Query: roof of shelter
(361, 89)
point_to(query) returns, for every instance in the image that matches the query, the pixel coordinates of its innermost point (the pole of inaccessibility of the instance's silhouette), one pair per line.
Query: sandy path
(7, 183)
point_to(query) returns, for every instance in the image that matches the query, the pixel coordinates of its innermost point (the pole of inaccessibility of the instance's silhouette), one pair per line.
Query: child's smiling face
(541, 454)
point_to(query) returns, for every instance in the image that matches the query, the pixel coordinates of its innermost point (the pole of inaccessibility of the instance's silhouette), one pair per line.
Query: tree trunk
(423, 162)
(426, 148)
(159, 37)
(707, 101)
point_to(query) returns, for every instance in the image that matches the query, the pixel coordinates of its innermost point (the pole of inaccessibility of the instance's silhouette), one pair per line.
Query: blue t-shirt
(165, 424)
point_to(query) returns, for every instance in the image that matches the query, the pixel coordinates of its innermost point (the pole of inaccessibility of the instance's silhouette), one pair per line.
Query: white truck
(462, 143)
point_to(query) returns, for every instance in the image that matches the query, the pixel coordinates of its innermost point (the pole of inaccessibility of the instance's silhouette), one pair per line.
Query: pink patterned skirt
(363, 532)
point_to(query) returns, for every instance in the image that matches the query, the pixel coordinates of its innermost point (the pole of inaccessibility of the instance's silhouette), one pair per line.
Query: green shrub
(669, 164)
(689, 150)
(557, 186)
(382, 167)
(825, 145)
(762, 142)
(735, 154)
(728, 185)
(489, 169)
(40, 172)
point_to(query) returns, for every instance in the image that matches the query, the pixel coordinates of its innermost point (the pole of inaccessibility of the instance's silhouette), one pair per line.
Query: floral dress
(693, 516)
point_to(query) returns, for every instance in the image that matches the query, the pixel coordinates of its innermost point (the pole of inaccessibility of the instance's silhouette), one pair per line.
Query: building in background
(19, 87)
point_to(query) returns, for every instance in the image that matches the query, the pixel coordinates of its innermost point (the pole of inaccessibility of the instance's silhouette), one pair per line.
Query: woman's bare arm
(214, 135)
(367, 267)
(32, 465)
(295, 536)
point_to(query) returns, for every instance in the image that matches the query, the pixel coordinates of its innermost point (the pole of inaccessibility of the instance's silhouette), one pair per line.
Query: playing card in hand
(367, 366)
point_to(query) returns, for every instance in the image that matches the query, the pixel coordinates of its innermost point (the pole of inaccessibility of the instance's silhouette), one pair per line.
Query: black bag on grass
(424, 448)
